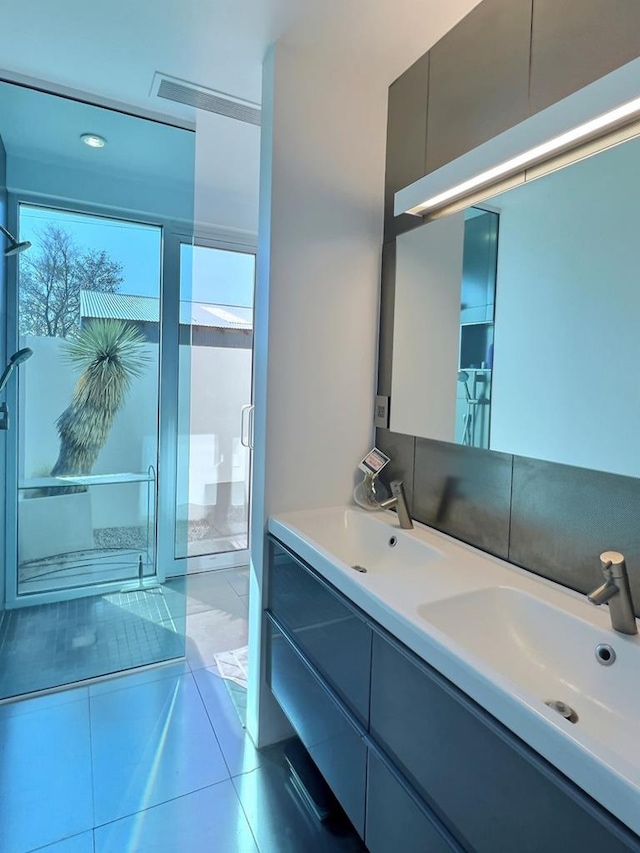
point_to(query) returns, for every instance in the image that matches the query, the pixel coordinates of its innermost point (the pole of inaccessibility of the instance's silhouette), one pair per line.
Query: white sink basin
(509, 639)
(366, 540)
(550, 654)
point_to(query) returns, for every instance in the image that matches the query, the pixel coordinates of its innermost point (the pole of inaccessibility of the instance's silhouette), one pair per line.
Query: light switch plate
(381, 414)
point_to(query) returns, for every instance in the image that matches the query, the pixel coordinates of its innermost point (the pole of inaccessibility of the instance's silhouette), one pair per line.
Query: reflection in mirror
(553, 378)
(477, 309)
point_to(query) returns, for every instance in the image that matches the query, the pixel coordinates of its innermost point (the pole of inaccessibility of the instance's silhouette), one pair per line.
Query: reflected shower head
(17, 358)
(14, 248)
(463, 378)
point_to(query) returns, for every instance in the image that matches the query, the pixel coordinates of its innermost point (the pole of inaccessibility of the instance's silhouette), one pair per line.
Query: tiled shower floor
(49, 645)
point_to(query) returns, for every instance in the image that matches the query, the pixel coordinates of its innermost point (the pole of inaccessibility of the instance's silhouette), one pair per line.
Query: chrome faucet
(398, 500)
(617, 592)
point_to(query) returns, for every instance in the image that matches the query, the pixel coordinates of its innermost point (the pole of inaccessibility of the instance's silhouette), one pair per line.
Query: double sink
(537, 656)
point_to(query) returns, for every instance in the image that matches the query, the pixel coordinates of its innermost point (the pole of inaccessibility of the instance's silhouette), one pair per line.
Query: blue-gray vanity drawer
(330, 632)
(396, 821)
(489, 789)
(332, 740)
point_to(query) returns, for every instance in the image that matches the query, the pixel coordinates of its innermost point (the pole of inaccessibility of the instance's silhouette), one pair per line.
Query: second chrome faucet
(616, 591)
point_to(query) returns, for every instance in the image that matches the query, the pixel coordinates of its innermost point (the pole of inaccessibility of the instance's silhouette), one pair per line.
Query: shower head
(17, 358)
(17, 248)
(20, 356)
(14, 248)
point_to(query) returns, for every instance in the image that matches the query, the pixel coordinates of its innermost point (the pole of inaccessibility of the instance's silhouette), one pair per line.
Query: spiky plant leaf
(109, 354)
(107, 343)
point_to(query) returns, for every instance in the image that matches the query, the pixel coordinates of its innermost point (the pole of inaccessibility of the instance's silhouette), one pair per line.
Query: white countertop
(408, 589)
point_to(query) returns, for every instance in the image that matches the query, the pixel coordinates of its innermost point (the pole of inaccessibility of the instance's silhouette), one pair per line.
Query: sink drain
(563, 709)
(605, 654)
(359, 569)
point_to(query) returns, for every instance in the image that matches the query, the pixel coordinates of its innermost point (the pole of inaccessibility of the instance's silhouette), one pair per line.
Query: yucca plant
(109, 355)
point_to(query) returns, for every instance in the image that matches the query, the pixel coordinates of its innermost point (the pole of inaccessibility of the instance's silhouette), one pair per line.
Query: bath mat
(233, 665)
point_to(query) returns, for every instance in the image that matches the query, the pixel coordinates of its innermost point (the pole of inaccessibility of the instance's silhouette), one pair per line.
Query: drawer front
(489, 789)
(395, 821)
(332, 634)
(333, 742)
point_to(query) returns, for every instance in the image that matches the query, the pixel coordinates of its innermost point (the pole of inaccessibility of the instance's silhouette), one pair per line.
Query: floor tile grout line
(163, 803)
(51, 844)
(184, 676)
(212, 724)
(93, 785)
(244, 812)
(133, 674)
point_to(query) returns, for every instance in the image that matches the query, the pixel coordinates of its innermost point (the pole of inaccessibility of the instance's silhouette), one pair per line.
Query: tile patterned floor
(156, 761)
(62, 643)
(53, 644)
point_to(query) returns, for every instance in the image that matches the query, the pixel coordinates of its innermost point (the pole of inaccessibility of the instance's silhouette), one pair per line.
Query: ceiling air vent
(183, 92)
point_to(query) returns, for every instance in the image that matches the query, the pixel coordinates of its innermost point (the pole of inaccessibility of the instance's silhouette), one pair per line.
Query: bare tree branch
(52, 275)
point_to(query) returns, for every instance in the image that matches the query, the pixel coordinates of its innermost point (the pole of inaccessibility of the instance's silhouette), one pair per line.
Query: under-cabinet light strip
(533, 155)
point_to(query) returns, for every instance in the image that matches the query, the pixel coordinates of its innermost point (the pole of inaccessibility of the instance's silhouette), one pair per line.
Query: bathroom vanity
(418, 686)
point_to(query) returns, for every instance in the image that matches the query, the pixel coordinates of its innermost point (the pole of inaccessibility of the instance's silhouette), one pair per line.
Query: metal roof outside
(146, 309)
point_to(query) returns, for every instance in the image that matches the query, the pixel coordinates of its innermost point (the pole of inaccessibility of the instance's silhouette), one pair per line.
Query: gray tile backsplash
(401, 449)
(562, 518)
(553, 520)
(464, 492)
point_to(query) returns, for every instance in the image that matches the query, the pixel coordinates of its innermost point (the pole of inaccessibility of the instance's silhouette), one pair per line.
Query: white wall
(567, 316)
(320, 227)
(220, 385)
(227, 168)
(46, 385)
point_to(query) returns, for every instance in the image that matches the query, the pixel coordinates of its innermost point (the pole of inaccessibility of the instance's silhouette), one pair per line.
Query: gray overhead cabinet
(478, 79)
(575, 43)
(406, 134)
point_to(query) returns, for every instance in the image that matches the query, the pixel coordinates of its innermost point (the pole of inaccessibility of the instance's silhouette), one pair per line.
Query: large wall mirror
(517, 323)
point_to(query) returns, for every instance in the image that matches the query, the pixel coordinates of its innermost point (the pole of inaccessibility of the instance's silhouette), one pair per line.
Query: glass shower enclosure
(90, 456)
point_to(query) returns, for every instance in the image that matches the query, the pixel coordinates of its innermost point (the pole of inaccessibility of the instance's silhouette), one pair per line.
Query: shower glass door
(216, 343)
(89, 456)
(89, 309)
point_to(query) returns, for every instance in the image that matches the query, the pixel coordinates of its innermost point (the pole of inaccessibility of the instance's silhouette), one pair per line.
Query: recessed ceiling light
(93, 140)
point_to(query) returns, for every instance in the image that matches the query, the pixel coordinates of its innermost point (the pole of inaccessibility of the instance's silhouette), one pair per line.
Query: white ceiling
(36, 126)
(111, 50)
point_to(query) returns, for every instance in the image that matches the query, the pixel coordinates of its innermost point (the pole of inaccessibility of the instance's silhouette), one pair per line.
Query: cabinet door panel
(333, 635)
(577, 43)
(478, 79)
(331, 739)
(395, 822)
(489, 789)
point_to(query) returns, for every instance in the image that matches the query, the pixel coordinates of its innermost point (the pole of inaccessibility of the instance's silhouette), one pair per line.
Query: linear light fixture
(528, 158)
(588, 114)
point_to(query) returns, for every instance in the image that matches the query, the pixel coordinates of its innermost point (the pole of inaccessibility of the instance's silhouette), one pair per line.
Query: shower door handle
(246, 426)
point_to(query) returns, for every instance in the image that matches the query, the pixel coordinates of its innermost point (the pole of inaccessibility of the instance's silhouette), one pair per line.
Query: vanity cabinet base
(431, 771)
(333, 741)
